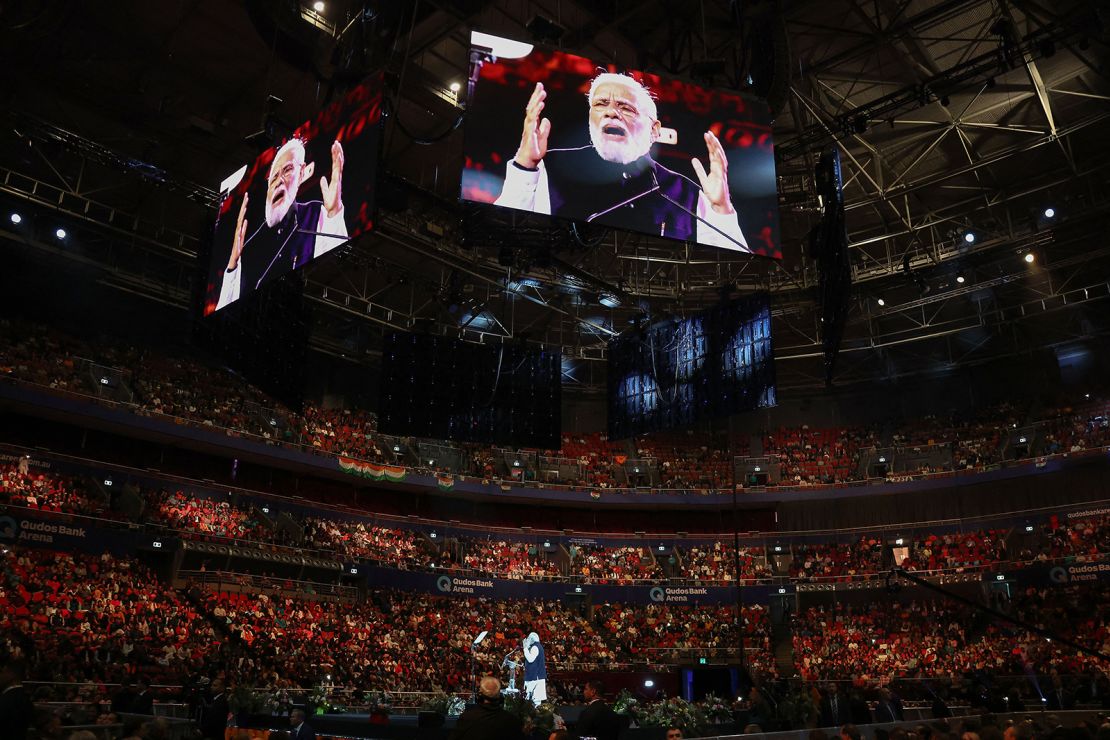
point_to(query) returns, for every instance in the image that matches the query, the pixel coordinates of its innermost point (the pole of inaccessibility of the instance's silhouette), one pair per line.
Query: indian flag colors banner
(445, 481)
(372, 471)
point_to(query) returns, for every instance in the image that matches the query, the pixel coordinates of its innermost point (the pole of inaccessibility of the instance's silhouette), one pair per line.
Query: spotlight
(60, 233)
(1030, 258)
(318, 6)
(16, 218)
(969, 237)
(648, 683)
(1050, 213)
(882, 302)
(960, 279)
(455, 87)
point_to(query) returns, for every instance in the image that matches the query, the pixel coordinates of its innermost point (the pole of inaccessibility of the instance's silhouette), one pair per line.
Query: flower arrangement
(443, 703)
(626, 703)
(675, 712)
(318, 698)
(716, 710)
(378, 701)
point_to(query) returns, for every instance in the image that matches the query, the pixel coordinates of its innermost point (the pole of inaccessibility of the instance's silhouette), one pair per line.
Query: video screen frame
(558, 134)
(297, 201)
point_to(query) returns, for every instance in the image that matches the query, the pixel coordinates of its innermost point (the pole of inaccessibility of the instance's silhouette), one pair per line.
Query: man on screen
(615, 178)
(293, 232)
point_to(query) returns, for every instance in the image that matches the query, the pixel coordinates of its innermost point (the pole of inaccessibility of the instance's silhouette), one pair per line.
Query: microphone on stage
(741, 247)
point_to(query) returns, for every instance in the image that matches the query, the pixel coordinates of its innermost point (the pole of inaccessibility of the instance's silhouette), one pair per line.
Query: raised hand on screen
(240, 235)
(333, 191)
(533, 139)
(714, 183)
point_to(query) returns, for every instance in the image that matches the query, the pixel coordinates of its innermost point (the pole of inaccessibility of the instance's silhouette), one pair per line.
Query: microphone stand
(623, 203)
(512, 665)
(700, 220)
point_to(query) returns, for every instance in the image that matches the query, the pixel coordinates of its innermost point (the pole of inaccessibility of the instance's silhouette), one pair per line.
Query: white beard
(276, 214)
(621, 152)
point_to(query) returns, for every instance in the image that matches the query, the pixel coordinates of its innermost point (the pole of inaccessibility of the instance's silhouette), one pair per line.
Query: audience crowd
(27, 484)
(869, 641)
(154, 383)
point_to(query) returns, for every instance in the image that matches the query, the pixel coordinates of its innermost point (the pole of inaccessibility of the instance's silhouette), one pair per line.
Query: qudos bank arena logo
(8, 528)
(657, 594)
(1058, 575)
(443, 583)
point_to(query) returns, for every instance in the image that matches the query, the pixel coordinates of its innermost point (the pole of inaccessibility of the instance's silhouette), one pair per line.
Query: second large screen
(553, 133)
(297, 201)
(680, 371)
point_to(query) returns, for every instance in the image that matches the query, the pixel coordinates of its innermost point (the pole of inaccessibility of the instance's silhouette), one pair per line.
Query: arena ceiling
(951, 117)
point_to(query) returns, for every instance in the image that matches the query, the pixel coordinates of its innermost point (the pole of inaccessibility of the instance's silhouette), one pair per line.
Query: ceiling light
(1030, 258)
(455, 87)
(60, 233)
(969, 237)
(16, 218)
(960, 279)
(882, 302)
(609, 300)
(1050, 213)
(318, 6)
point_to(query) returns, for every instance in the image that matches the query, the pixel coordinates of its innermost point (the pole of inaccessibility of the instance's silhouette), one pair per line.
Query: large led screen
(444, 388)
(680, 371)
(553, 133)
(297, 201)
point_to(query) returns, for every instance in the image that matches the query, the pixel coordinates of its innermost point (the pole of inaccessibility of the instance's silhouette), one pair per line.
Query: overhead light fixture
(1050, 212)
(882, 302)
(455, 87)
(609, 300)
(16, 218)
(1030, 258)
(60, 233)
(318, 6)
(960, 279)
(969, 237)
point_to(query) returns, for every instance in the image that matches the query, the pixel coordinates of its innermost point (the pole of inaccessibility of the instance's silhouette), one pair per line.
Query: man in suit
(889, 708)
(597, 719)
(214, 710)
(835, 709)
(124, 698)
(293, 232)
(487, 719)
(143, 703)
(615, 177)
(16, 710)
(301, 729)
